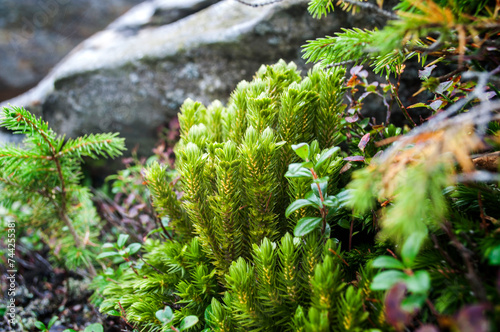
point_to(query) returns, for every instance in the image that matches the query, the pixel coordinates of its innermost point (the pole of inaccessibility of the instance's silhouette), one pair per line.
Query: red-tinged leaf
(426, 72)
(418, 105)
(133, 212)
(427, 328)
(356, 69)
(354, 158)
(364, 95)
(394, 313)
(364, 140)
(352, 119)
(472, 319)
(436, 104)
(353, 81)
(345, 168)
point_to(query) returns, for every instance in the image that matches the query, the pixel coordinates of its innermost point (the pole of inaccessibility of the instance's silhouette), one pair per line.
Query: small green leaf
(326, 154)
(52, 321)
(94, 328)
(387, 262)
(302, 150)
(114, 313)
(107, 254)
(41, 326)
(134, 247)
(307, 164)
(411, 247)
(122, 239)
(306, 225)
(331, 201)
(386, 279)
(108, 245)
(413, 302)
(297, 171)
(208, 313)
(188, 322)
(494, 256)
(298, 204)
(420, 282)
(344, 223)
(69, 330)
(165, 316)
(323, 185)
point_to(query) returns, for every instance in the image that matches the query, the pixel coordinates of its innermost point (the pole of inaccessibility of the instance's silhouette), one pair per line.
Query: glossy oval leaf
(52, 321)
(302, 150)
(387, 262)
(122, 239)
(297, 171)
(96, 327)
(166, 315)
(133, 248)
(41, 326)
(363, 142)
(420, 282)
(107, 254)
(411, 247)
(306, 225)
(298, 204)
(387, 279)
(326, 154)
(494, 256)
(188, 322)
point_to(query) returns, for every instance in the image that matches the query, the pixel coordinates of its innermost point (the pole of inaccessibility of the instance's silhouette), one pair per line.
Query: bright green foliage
(287, 156)
(44, 175)
(405, 34)
(234, 192)
(174, 273)
(165, 198)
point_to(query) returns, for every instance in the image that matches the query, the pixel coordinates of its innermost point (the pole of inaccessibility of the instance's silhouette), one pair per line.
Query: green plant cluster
(42, 178)
(389, 232)
(231, 162)
(290, 210)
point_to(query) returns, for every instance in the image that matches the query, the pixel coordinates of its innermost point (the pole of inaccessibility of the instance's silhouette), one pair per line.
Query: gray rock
(35, 35)
(134, 76)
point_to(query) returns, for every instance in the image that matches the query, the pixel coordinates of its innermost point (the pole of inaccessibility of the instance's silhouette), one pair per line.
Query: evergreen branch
(21, 121)
(93, 145)
(349, 44)
(320, 8)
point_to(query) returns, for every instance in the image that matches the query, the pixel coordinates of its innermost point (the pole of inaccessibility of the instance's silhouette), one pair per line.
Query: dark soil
(43, 291)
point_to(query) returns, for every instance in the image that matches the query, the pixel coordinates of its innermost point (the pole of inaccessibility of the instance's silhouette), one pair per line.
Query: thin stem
(335, 253)
(322, 210)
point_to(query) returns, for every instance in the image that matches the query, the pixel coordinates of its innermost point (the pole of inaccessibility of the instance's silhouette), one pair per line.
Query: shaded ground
(43, 291)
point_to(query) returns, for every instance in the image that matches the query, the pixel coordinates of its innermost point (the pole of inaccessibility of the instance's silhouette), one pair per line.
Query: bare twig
(140, 256)
(335, 253)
